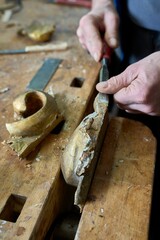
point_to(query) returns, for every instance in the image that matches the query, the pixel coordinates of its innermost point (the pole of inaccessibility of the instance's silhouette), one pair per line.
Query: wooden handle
(48, 47)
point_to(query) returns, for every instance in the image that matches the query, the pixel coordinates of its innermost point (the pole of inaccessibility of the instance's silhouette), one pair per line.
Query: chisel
(104, 73)
(37, 48)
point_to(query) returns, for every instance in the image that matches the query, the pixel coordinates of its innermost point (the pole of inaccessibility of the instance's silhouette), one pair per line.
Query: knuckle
(113, 81)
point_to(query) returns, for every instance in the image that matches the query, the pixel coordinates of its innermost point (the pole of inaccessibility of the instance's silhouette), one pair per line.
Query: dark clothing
(136, 41)
(145, 13)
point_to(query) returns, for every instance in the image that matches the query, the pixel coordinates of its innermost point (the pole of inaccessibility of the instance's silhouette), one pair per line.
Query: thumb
(114, 84)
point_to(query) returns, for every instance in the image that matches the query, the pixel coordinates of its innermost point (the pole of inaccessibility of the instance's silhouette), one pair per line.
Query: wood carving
(81, 153)
(37, 114)
(38, 31)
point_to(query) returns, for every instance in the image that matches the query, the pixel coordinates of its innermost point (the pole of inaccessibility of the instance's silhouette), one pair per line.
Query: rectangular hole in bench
(77, 82)
(58, 128)
(13, 208)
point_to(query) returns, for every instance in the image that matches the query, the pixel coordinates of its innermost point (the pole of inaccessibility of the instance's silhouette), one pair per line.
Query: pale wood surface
(119, 201)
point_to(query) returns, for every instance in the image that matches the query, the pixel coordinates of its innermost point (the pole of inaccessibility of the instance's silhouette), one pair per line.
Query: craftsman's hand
(137, 89)
(100, 24)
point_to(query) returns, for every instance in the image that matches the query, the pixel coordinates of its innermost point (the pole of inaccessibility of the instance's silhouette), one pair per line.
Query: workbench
(33, 193)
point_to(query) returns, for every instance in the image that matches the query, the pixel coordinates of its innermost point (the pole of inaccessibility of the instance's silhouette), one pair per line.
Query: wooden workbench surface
(36, 183)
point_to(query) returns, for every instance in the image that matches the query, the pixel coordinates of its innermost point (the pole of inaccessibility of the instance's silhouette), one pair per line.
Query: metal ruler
(44, 74)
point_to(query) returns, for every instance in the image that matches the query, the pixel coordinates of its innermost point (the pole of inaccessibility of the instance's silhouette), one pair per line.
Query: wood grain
(119, 201)
(38, 177)
(118, 206)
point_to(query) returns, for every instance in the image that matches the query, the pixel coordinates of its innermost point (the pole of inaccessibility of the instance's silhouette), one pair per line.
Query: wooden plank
(119, 201)
(36, 183)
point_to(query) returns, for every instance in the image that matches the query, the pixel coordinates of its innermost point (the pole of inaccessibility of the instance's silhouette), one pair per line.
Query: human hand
(99, 25)
(137, 89)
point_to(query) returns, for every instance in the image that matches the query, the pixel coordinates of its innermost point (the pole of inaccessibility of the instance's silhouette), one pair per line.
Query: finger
(123, 82)
(120, 106)
(79, 33)
(113, 85)
(91, 37)
(109, 86)
(138, 108)
(84, 46)
(143, 108)
(94, 44)
(82, 43)
(133, 111)
(132, 94)
(111, 32)
(128, 108)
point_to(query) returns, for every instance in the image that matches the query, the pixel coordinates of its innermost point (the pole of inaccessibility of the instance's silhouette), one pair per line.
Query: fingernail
(102, 84)
(113, 42)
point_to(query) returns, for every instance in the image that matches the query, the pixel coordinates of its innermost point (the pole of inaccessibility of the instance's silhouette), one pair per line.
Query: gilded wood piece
(82, 151)
(37, 115)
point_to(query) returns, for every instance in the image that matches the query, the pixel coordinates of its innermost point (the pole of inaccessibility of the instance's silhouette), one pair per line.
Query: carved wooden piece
(37, 115)
(81, 153)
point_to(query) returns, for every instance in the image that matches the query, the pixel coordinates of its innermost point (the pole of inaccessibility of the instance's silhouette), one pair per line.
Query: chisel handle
(107, 51)
(47, 47)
